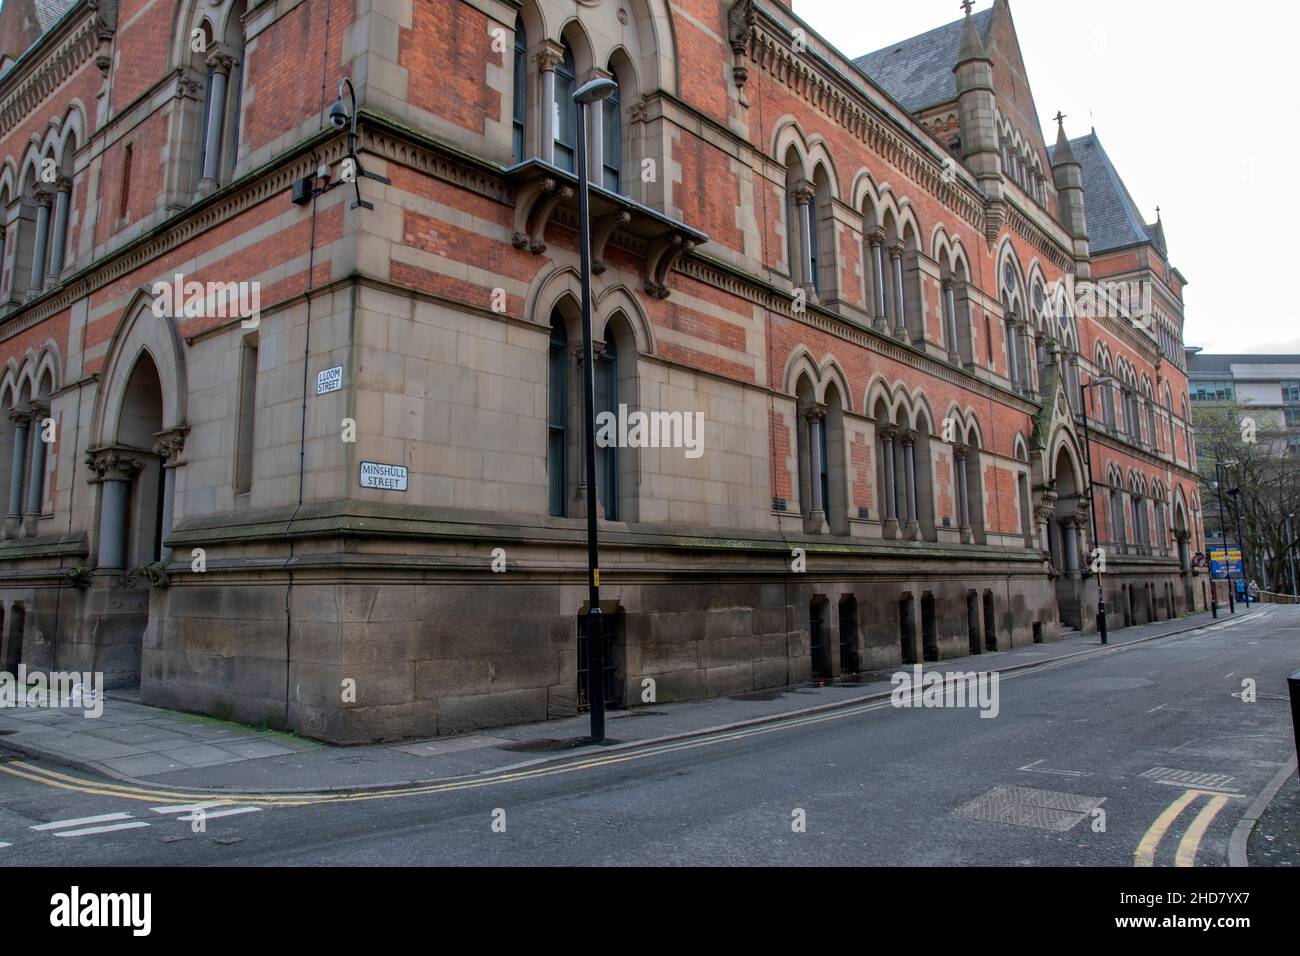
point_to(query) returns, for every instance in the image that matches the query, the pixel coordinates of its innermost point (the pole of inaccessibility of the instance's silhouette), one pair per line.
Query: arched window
(814, 478)
(557, 421)
(222, 59)
(800, 224)
(521, 88)
(566, 111)
(611, 161)
(1116, 509)
(607, 401)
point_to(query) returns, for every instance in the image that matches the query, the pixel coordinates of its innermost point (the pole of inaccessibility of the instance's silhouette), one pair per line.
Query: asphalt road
(1147, 755)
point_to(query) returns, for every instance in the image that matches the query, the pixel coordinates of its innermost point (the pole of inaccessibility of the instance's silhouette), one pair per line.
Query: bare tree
(1262, 485)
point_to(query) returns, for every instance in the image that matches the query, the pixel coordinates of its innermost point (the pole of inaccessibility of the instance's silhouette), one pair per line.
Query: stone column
(36, 479)
(877, 240)
(950, 322)
(59, 234)
(1013, 356)
(547, 61)
(887, 440)
(804, 198)
(900, 309)
(220, 64)
(42, 240)
(909, 461)
(21, 419)
(4, 234)
(1184, 551)
(963, 499)
(817, 513)
(115, 471)
(1028, 353)
(1071, 528)
(168, 447)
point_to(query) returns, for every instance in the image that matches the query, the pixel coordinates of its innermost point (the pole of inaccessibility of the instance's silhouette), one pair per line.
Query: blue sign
(1219, 558)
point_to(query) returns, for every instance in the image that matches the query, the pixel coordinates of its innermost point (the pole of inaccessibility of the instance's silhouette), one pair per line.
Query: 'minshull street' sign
(385, 477)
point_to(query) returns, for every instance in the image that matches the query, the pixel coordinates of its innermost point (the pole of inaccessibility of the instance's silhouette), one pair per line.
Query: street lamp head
(595, 90)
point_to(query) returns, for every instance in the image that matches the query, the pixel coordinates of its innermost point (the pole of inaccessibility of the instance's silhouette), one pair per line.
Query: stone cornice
(272, 179)
(856, 114)
(713, 273)
(1024, 227)
(51, 61)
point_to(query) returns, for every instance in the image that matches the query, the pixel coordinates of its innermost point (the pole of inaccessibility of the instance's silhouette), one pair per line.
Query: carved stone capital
(220, 61)
(188, 88)
(876, 238)
(549, 58)
(169, 445)
(814, 414)
(113, 464)
(20, 416)
(803, 195)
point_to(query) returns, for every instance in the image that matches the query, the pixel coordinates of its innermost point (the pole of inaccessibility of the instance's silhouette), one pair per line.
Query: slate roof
(1113, 218)
(49, 12)
(917, 72)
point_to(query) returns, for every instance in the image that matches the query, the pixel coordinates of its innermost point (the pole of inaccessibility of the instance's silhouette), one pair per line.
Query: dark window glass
(566, 112)
(558, 415)
(607, 401)
(521, 87)
(612, 147)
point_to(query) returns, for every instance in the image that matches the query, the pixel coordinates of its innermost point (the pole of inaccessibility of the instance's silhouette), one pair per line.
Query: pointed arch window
(566, 111)
(607, 401)
(557, 424)
(611, 166)
(520, 112)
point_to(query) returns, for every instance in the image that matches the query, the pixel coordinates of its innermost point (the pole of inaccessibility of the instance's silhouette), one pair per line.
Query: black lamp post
(1223, 535)
(1235, 495)
(593, 91)
(1092, 507)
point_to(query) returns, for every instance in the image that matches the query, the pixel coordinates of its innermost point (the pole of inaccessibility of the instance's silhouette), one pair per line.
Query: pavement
(135, 743)
(1147, 753)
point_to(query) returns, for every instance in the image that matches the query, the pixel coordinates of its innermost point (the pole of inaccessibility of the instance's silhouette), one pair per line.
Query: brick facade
(201, 529)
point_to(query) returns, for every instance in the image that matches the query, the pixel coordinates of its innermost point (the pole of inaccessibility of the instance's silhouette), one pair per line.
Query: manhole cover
(1187, 778)
(1026, 807)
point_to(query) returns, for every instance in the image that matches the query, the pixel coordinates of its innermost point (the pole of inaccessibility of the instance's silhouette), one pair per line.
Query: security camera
(338, 115)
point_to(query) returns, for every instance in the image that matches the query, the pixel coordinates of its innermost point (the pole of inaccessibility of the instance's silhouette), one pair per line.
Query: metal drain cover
(1026, 807)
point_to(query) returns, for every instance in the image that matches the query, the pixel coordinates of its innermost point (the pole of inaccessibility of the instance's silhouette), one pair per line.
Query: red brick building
(292, 445)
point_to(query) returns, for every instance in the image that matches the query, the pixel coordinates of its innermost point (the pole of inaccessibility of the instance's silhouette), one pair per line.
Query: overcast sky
(1194, 104)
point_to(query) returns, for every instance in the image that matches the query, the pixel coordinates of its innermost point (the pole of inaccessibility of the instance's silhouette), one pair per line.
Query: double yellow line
(1190, 844)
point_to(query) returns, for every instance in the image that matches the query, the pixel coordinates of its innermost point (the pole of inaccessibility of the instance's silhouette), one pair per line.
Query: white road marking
(189, 807)
(106, 829)
(222, 813)
(1034, 768)
(81, 821)
(3, 845)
